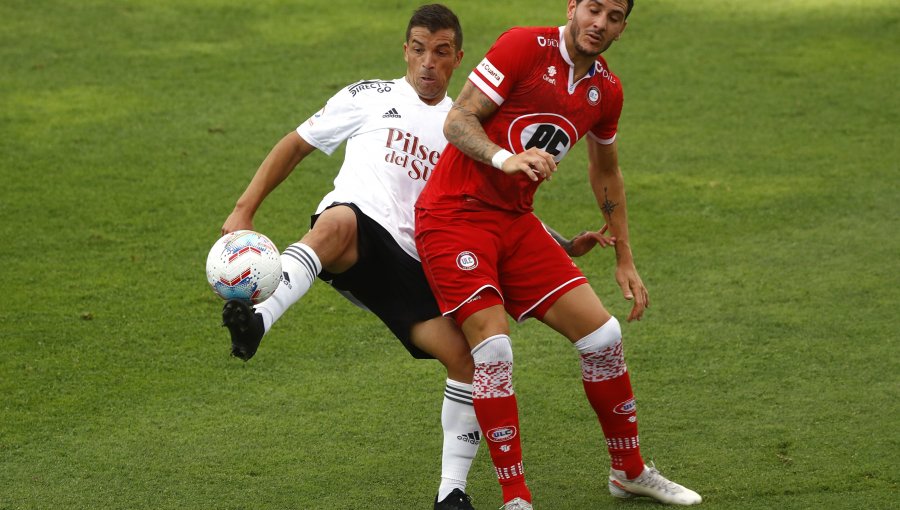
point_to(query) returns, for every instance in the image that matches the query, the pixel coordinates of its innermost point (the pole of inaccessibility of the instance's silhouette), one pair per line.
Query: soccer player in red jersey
(485, 254)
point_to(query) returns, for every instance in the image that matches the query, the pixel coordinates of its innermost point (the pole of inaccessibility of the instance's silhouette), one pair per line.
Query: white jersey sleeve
(337, 121)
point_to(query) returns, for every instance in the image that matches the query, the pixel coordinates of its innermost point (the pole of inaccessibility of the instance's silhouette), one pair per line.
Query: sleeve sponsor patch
(489, 72)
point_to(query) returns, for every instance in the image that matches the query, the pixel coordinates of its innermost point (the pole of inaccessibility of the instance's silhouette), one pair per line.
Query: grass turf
(758, 143)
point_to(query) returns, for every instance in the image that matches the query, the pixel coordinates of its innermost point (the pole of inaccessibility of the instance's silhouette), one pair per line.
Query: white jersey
(394, 141)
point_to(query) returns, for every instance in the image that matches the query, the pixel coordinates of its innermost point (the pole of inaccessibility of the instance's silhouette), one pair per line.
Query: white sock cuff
(492, 349)
(458, 392)
(303, 255)
(606, 336)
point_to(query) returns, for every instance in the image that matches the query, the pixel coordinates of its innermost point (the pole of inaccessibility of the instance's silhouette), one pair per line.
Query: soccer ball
(244, 265)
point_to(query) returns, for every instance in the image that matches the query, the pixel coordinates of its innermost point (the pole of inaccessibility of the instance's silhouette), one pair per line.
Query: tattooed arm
(609, 190)
(582, 243)
(464, 130)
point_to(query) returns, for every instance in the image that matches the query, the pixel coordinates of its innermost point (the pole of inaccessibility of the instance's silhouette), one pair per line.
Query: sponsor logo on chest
(378, 85)
(549, 76)
(407, 151)
(547, 131)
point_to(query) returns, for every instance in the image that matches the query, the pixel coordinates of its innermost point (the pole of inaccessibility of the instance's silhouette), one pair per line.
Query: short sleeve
(503, 65)
(604, 131)
(338, 120)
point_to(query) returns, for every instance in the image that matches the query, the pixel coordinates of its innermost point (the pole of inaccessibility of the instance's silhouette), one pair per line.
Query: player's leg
(487, 331)
(460, 254)
(389, 282)
(580, 316)
(441, 338)
(330, 244)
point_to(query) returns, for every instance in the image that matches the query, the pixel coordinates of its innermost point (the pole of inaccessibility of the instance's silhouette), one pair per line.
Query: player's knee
(482, 316)
(460, 366)
(494, 349)
(608, 335)
(334, 239)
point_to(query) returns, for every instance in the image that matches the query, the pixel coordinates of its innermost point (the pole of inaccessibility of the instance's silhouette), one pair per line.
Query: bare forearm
(609, 190)
(463, 126)
(464, 130)
(279, 163)
(562, 241)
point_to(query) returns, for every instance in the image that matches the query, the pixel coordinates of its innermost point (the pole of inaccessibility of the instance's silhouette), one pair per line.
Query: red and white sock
(608, 389)
(498, 413)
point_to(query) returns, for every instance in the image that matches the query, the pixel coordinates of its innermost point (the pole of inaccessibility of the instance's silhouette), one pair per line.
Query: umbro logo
(391, 114)
(471, 437)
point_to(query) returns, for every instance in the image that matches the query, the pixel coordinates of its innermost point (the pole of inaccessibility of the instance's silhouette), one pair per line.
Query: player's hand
(535, 163)
(633, 289)
(585, 242)
(237, 221)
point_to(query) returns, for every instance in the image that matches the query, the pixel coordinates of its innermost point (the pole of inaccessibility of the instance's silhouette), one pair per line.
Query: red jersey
(529, 74)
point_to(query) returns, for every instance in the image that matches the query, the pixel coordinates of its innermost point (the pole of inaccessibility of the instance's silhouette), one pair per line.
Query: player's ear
(406, 52)
(459, 57)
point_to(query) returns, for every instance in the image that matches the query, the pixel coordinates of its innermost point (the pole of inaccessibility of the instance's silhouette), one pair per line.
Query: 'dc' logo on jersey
(550, 132)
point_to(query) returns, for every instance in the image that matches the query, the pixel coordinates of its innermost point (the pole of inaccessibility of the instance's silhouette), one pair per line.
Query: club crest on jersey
(466, 261)
(626, 407)
(593, 95)
(548, 131)
(501, 434)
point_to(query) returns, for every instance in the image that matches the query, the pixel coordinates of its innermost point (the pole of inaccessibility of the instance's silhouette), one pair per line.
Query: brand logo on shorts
(501, 434)
(466, 261)
(626, 407)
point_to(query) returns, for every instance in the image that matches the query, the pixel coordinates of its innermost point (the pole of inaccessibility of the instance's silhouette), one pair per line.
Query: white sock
(300, 265)
(461, 437)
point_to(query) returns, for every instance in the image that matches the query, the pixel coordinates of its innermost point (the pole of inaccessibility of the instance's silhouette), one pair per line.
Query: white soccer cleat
(517, 504)
(651, 484)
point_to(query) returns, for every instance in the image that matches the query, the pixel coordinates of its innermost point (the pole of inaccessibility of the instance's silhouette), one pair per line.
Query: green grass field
(759, 147)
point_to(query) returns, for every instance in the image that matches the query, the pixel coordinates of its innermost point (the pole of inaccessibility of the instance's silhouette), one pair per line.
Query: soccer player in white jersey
(361, 241)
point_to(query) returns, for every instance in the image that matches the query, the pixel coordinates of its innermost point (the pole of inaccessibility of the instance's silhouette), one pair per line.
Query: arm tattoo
(607, 206)
(466, 132)
(560, 240)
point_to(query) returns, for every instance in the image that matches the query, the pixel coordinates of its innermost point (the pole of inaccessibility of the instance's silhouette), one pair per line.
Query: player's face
(595, 24)
(431, 58)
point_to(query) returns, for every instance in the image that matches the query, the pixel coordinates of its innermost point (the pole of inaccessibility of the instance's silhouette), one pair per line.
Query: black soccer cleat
(246, 327)
(456, 500)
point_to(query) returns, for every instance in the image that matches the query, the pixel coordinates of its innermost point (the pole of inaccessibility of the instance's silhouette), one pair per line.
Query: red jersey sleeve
(604, 131)
(503, 65)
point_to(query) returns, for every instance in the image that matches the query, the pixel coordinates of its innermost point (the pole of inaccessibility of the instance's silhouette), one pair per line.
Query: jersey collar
(564, 53)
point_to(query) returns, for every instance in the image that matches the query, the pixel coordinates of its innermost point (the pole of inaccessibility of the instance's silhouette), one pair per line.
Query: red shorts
(466, 252)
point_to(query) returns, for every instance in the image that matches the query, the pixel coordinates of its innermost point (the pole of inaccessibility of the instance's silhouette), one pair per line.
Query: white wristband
(499, 158)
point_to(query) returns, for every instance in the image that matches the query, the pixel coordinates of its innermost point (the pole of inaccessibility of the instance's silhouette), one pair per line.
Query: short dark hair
(436, 17)
(627, 11)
